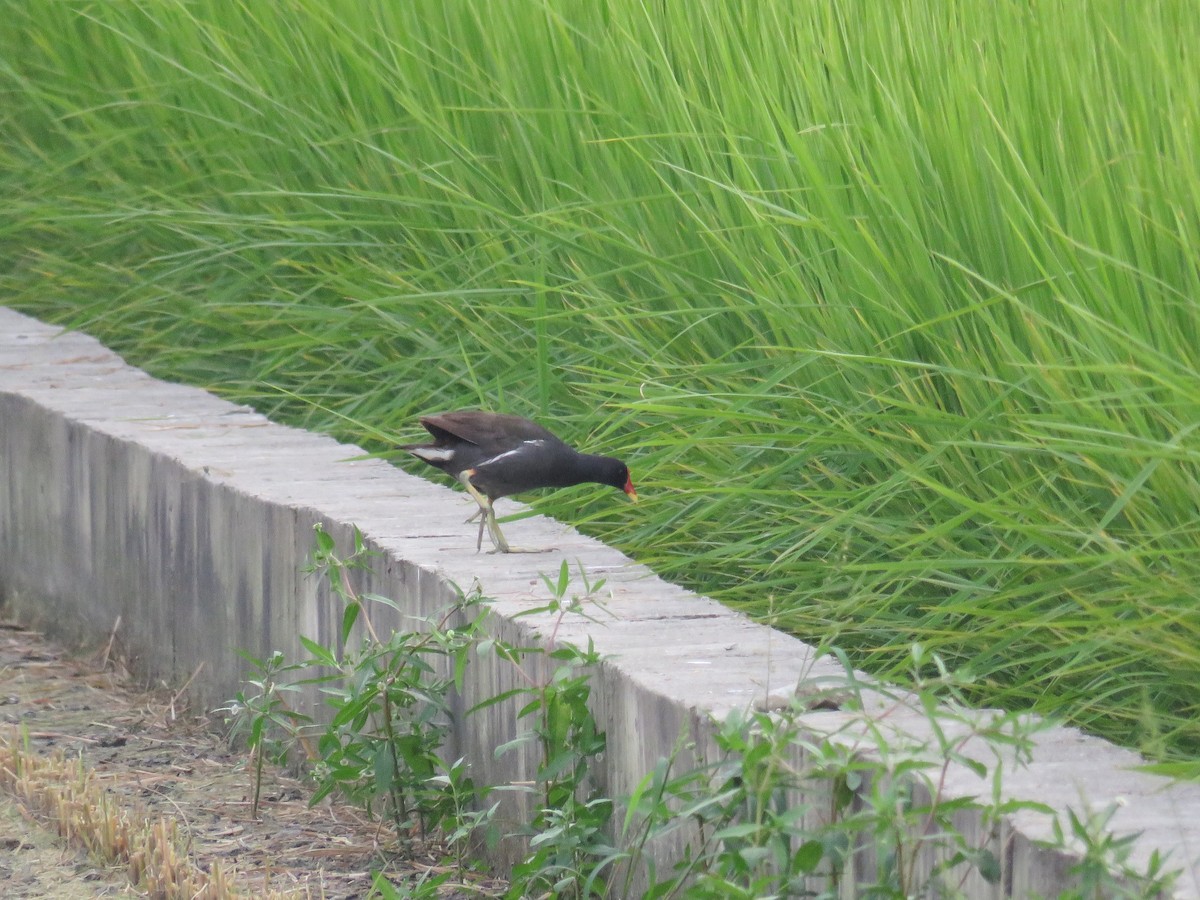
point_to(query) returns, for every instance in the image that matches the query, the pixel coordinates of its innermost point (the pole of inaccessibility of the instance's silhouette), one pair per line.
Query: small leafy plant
(569, 832)
(262, 717)
(781, 812)
(389, 699)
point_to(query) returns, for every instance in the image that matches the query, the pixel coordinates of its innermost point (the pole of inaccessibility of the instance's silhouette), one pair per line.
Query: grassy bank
(891, 308)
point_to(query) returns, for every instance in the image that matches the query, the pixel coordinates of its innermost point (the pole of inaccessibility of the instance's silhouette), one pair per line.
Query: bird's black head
(616, 474)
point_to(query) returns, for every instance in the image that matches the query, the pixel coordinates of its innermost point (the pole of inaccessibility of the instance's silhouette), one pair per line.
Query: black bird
(495, 455)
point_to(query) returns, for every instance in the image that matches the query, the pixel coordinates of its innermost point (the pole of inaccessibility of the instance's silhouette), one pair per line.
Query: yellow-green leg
(488, 516)
(488, 519)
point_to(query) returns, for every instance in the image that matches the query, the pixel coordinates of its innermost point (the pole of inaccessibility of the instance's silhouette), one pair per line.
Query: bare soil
(156, 760)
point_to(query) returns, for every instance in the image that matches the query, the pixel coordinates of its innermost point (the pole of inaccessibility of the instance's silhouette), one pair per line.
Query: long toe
(494, 532)
(503, 546)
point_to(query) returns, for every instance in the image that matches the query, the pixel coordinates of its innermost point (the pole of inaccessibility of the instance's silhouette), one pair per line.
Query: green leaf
(349, 617)
(384, 768)
(320, 652)
(989, 866)
(323, 539)
(808, 857)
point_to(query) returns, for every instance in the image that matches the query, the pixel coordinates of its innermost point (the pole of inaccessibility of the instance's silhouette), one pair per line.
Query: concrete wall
(188, 519)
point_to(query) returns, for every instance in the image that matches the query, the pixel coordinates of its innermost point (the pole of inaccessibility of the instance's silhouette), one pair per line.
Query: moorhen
(495, 455)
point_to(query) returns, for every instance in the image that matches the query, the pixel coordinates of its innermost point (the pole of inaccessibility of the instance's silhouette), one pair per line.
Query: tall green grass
(891, 307)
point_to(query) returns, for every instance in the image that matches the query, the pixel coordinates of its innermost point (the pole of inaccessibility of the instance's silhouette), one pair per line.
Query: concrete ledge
(188, 518)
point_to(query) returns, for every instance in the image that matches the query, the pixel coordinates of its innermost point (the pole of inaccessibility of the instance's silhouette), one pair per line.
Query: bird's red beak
(629, 490)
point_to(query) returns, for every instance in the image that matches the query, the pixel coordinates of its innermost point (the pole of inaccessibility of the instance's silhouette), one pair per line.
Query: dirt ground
(156, 760)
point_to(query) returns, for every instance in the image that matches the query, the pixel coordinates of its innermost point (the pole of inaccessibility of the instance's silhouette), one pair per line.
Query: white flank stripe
(525, 445)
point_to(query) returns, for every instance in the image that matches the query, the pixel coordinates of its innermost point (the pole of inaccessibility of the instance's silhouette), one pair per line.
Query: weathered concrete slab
(188, 519)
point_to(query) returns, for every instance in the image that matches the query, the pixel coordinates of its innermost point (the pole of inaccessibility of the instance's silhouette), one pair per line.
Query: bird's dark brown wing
(496, 432)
